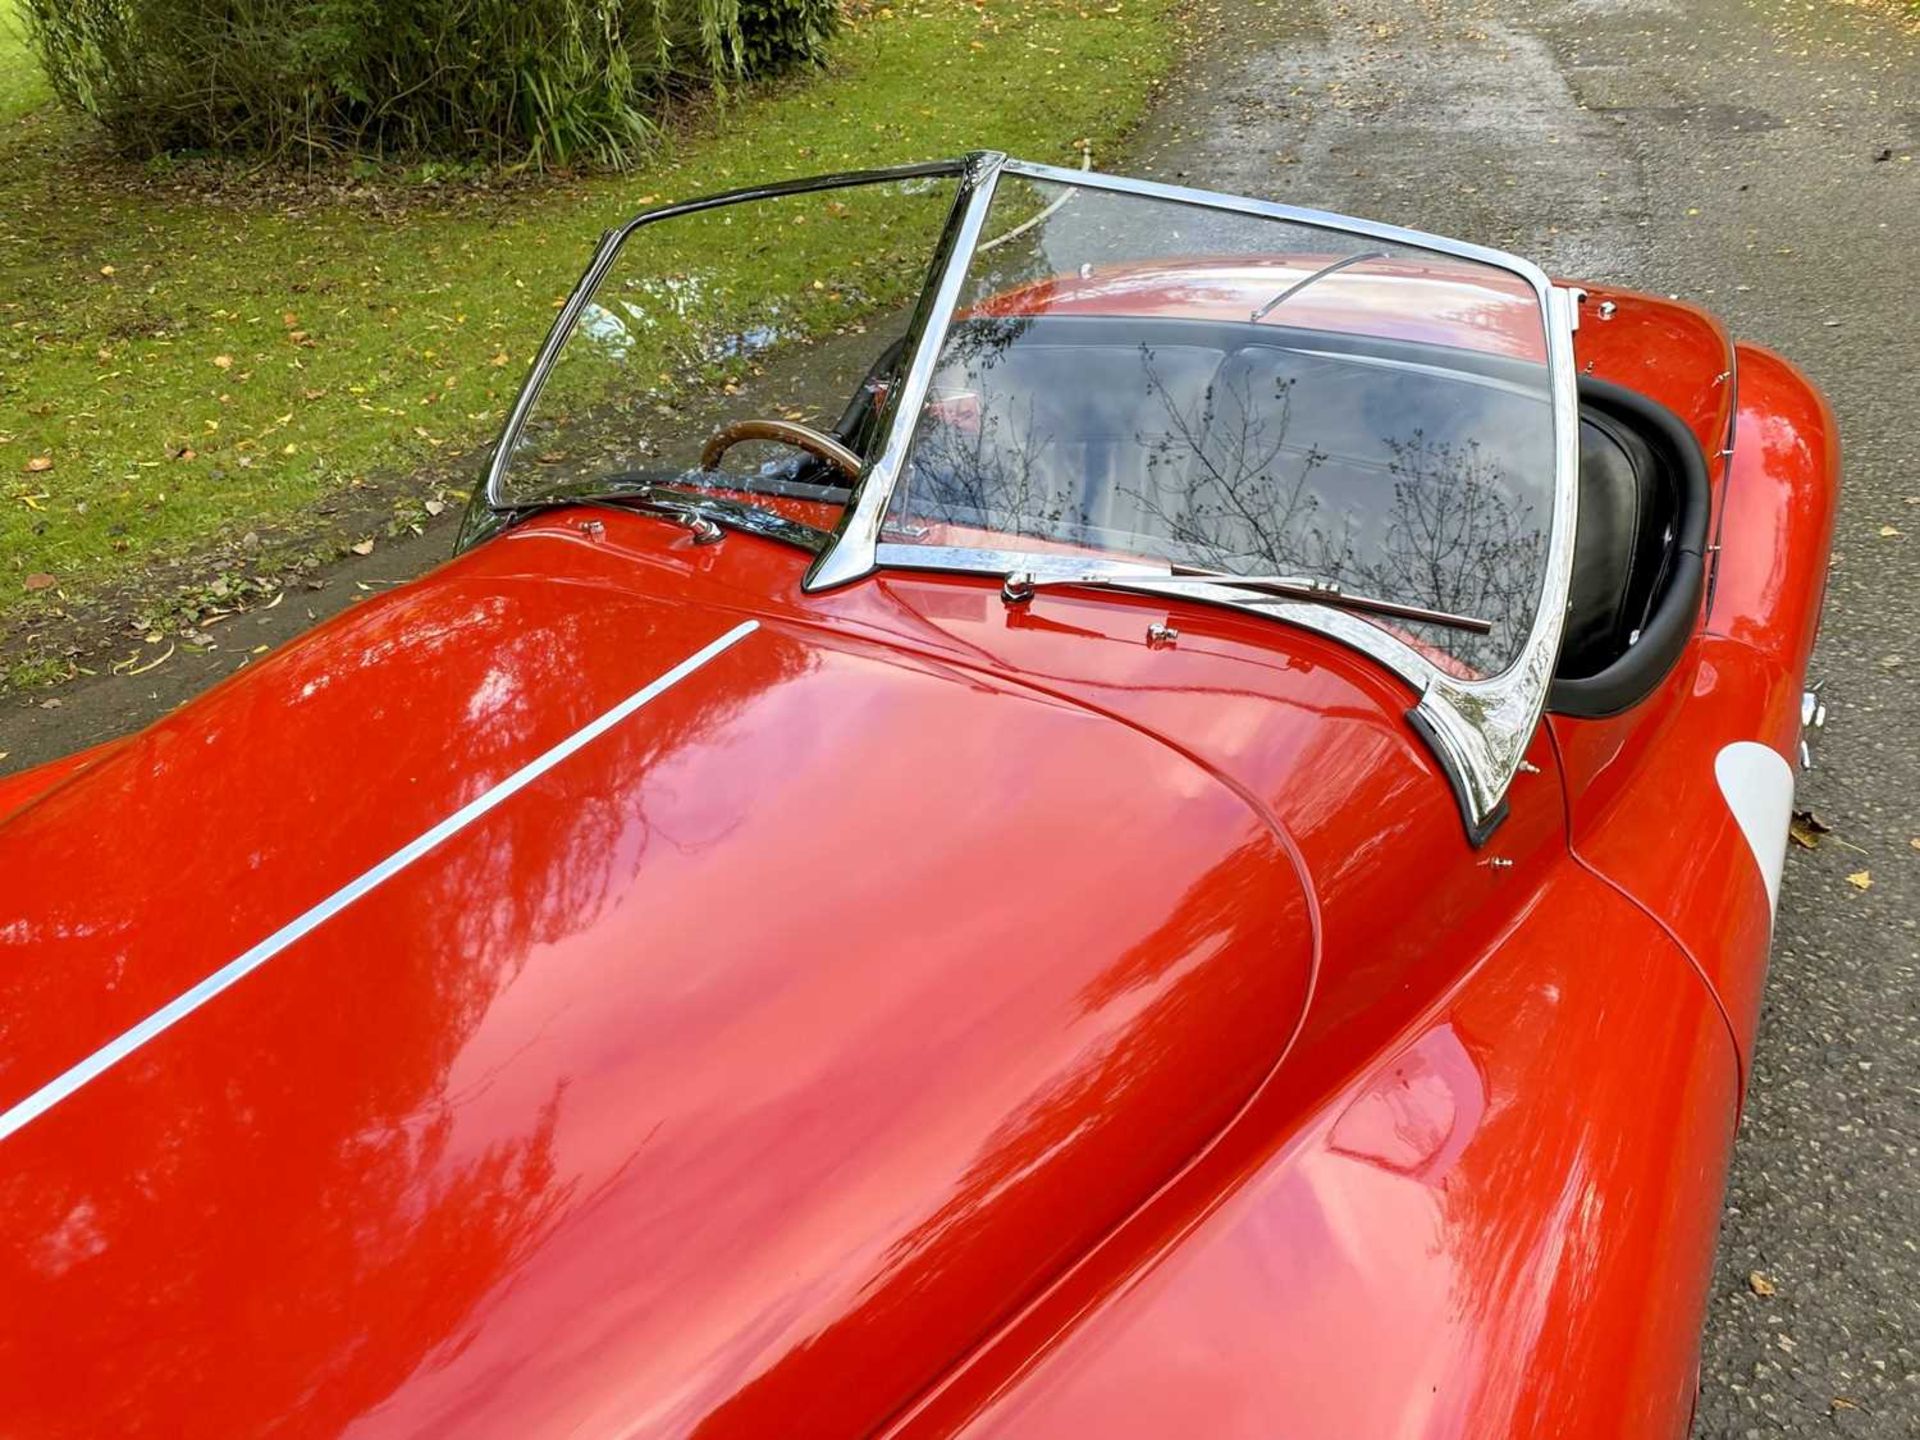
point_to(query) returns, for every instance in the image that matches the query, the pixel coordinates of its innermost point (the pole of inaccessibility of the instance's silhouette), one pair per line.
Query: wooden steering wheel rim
(801, 437)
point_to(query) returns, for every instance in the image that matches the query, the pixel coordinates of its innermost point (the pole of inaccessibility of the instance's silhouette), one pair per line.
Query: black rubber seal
(1639, 671)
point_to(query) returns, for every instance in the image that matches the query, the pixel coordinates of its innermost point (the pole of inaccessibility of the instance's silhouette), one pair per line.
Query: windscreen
(788, 308)
(1144, 379)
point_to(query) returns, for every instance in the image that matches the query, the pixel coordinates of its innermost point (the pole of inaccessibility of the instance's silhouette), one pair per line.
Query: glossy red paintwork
(931, 1016)
(1741, 679)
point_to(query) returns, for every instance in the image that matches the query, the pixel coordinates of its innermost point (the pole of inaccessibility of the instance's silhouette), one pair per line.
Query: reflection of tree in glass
(1216, 482)
(1226, 486)
(983, 467)
(1459, 538)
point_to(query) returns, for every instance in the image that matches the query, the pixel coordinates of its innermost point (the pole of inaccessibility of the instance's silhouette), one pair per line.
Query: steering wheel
(802, 437)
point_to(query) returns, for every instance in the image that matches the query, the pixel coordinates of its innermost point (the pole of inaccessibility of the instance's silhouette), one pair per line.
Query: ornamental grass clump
(522, 82)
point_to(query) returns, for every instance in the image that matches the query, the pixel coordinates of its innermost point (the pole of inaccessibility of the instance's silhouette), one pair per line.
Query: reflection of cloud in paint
(1418, 1116)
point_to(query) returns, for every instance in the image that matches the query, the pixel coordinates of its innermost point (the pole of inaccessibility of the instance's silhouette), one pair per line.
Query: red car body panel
(930, 1015)
(1443, 1250)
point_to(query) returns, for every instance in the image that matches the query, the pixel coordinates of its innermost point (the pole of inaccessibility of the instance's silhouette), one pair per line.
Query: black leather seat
(1624, 544)
(1639, 558)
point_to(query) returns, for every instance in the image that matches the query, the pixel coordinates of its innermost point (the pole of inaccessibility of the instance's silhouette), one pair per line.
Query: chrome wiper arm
(1314, 589)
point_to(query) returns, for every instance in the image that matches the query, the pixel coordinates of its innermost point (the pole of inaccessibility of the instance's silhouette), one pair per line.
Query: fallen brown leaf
(39, 464)
(40, 580)
(1807, 828)
(362, 547)
(1861, 879)
(1760, 1284)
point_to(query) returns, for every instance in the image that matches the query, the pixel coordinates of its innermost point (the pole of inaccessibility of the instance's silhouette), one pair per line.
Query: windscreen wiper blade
(703, 514)
(1020, 586)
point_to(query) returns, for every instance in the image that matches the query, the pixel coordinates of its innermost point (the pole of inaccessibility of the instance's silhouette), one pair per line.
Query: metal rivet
(1607, 307)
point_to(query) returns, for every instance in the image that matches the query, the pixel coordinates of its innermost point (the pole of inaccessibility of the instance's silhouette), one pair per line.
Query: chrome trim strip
(228, 975)
(851, 553)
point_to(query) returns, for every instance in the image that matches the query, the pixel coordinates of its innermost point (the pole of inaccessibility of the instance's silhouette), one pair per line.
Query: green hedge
(539, 81)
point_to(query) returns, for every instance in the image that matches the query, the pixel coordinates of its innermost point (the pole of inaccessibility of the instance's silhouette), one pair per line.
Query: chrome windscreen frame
(1479, 730)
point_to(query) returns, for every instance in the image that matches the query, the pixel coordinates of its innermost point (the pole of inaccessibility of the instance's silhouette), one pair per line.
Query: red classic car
(1037, 805)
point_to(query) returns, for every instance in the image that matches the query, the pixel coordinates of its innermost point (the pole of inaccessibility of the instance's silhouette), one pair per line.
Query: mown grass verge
(182, 362)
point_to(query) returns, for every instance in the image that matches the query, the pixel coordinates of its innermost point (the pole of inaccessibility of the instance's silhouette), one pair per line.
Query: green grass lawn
(175, 368)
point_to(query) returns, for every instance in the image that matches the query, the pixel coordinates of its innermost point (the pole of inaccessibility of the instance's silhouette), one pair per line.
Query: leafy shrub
(534, 81)
(777, 33)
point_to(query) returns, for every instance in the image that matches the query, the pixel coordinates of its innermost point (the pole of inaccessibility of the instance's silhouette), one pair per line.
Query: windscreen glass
(788, 309)
(1129, 378)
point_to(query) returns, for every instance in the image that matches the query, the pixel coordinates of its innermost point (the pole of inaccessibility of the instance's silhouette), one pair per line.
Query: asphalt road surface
(1758, 158)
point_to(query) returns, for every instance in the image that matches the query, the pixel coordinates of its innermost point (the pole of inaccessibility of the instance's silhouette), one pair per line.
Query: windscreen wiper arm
(1325, 270)
(1020, 586)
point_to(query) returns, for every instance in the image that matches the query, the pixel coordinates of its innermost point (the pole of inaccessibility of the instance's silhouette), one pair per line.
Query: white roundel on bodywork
(1758, 784)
